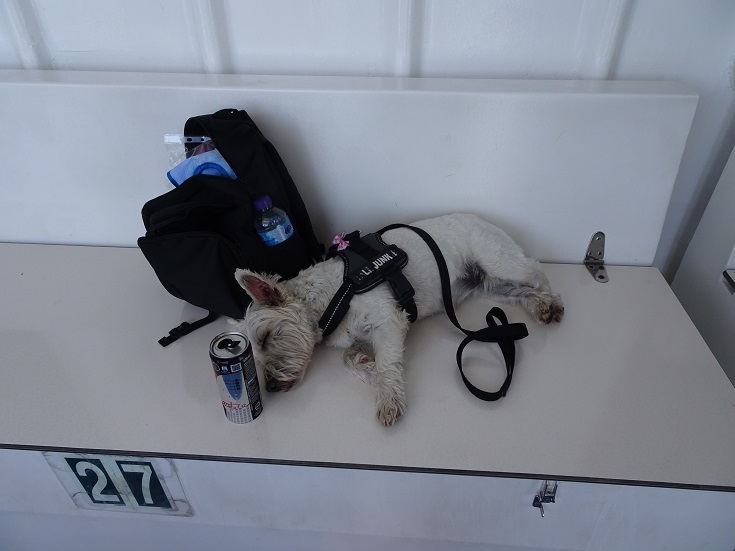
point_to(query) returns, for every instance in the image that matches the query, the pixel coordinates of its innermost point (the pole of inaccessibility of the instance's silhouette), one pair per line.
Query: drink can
(237, 379)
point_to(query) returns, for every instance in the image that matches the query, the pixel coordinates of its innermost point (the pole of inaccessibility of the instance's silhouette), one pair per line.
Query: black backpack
(199, 233)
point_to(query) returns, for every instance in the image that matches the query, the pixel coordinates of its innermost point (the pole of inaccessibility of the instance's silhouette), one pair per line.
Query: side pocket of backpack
(289, 257)
(199, 267)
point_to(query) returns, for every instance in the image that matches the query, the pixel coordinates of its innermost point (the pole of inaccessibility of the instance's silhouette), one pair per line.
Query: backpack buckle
(176, 333)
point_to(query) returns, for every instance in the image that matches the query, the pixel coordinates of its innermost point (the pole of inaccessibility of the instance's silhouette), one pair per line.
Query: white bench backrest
(549, 161)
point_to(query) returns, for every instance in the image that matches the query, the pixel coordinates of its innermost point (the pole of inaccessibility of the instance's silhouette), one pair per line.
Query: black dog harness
(369, 261)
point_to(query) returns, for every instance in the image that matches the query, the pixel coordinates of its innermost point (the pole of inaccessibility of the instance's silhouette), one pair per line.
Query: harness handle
(503, 333)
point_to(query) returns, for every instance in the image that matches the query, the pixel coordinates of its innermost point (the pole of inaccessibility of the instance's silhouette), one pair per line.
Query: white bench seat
(624, 389)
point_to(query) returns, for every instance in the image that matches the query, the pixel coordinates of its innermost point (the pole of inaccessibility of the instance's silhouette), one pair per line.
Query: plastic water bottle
(271, 223)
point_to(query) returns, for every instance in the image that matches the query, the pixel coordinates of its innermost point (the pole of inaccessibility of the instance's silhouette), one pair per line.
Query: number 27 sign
(120, 483)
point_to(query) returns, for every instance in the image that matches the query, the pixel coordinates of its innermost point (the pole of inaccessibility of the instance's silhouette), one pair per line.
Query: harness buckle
(403, 292)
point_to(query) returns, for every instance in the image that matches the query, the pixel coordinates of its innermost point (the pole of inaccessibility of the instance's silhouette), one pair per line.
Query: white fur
(282, 321)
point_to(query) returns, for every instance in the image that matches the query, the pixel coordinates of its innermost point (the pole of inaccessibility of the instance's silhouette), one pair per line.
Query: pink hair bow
(339, 240)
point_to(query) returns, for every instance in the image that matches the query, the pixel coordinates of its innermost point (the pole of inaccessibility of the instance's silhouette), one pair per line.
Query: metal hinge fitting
(547, 494)
(594, 260)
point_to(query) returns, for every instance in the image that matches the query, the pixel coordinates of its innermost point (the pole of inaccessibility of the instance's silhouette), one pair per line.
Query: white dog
(282, 322)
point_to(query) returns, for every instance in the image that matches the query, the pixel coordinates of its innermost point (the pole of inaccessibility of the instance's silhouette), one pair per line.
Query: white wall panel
(22, 36)
(8, 53)
(698, 282)
(693, 42)
(335, 37)
(121, 36)
(475, 38)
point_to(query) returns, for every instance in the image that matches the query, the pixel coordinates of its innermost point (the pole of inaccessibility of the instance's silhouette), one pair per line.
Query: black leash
(500, 331)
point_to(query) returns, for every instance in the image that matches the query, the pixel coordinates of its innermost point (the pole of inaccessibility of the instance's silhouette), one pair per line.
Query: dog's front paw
(390, 408)
(360, 361)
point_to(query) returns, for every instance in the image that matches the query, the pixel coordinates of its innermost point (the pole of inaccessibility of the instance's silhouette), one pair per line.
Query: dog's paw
(360, 361)
(360, 356)
(552, 311)
(390, 409)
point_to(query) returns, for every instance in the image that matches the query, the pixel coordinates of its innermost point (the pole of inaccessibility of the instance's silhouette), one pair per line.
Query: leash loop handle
(505, 334)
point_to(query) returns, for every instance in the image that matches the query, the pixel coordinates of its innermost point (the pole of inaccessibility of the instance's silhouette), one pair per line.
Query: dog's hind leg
(538, 299)
(516, 281)
(484, 258)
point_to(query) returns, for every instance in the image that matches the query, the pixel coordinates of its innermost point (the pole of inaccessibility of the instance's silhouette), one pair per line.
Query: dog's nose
(272, 385)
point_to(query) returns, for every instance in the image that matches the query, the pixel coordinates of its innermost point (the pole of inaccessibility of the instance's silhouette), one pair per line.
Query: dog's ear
(262, 289)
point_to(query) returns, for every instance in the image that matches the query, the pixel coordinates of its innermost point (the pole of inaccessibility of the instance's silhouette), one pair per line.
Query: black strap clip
(176, 333)
(403, 292)
(185, 328)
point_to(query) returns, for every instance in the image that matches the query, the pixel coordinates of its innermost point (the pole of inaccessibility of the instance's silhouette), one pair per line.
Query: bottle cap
(263, 203)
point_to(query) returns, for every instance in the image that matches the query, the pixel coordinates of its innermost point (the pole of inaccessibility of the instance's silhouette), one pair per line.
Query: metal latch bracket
(594, 260)
(547, 494)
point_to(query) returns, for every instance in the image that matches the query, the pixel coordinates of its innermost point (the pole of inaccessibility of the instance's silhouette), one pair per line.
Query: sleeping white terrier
(283, 320)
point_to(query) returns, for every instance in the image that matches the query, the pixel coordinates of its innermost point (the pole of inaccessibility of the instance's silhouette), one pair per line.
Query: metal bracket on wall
(594, 260)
